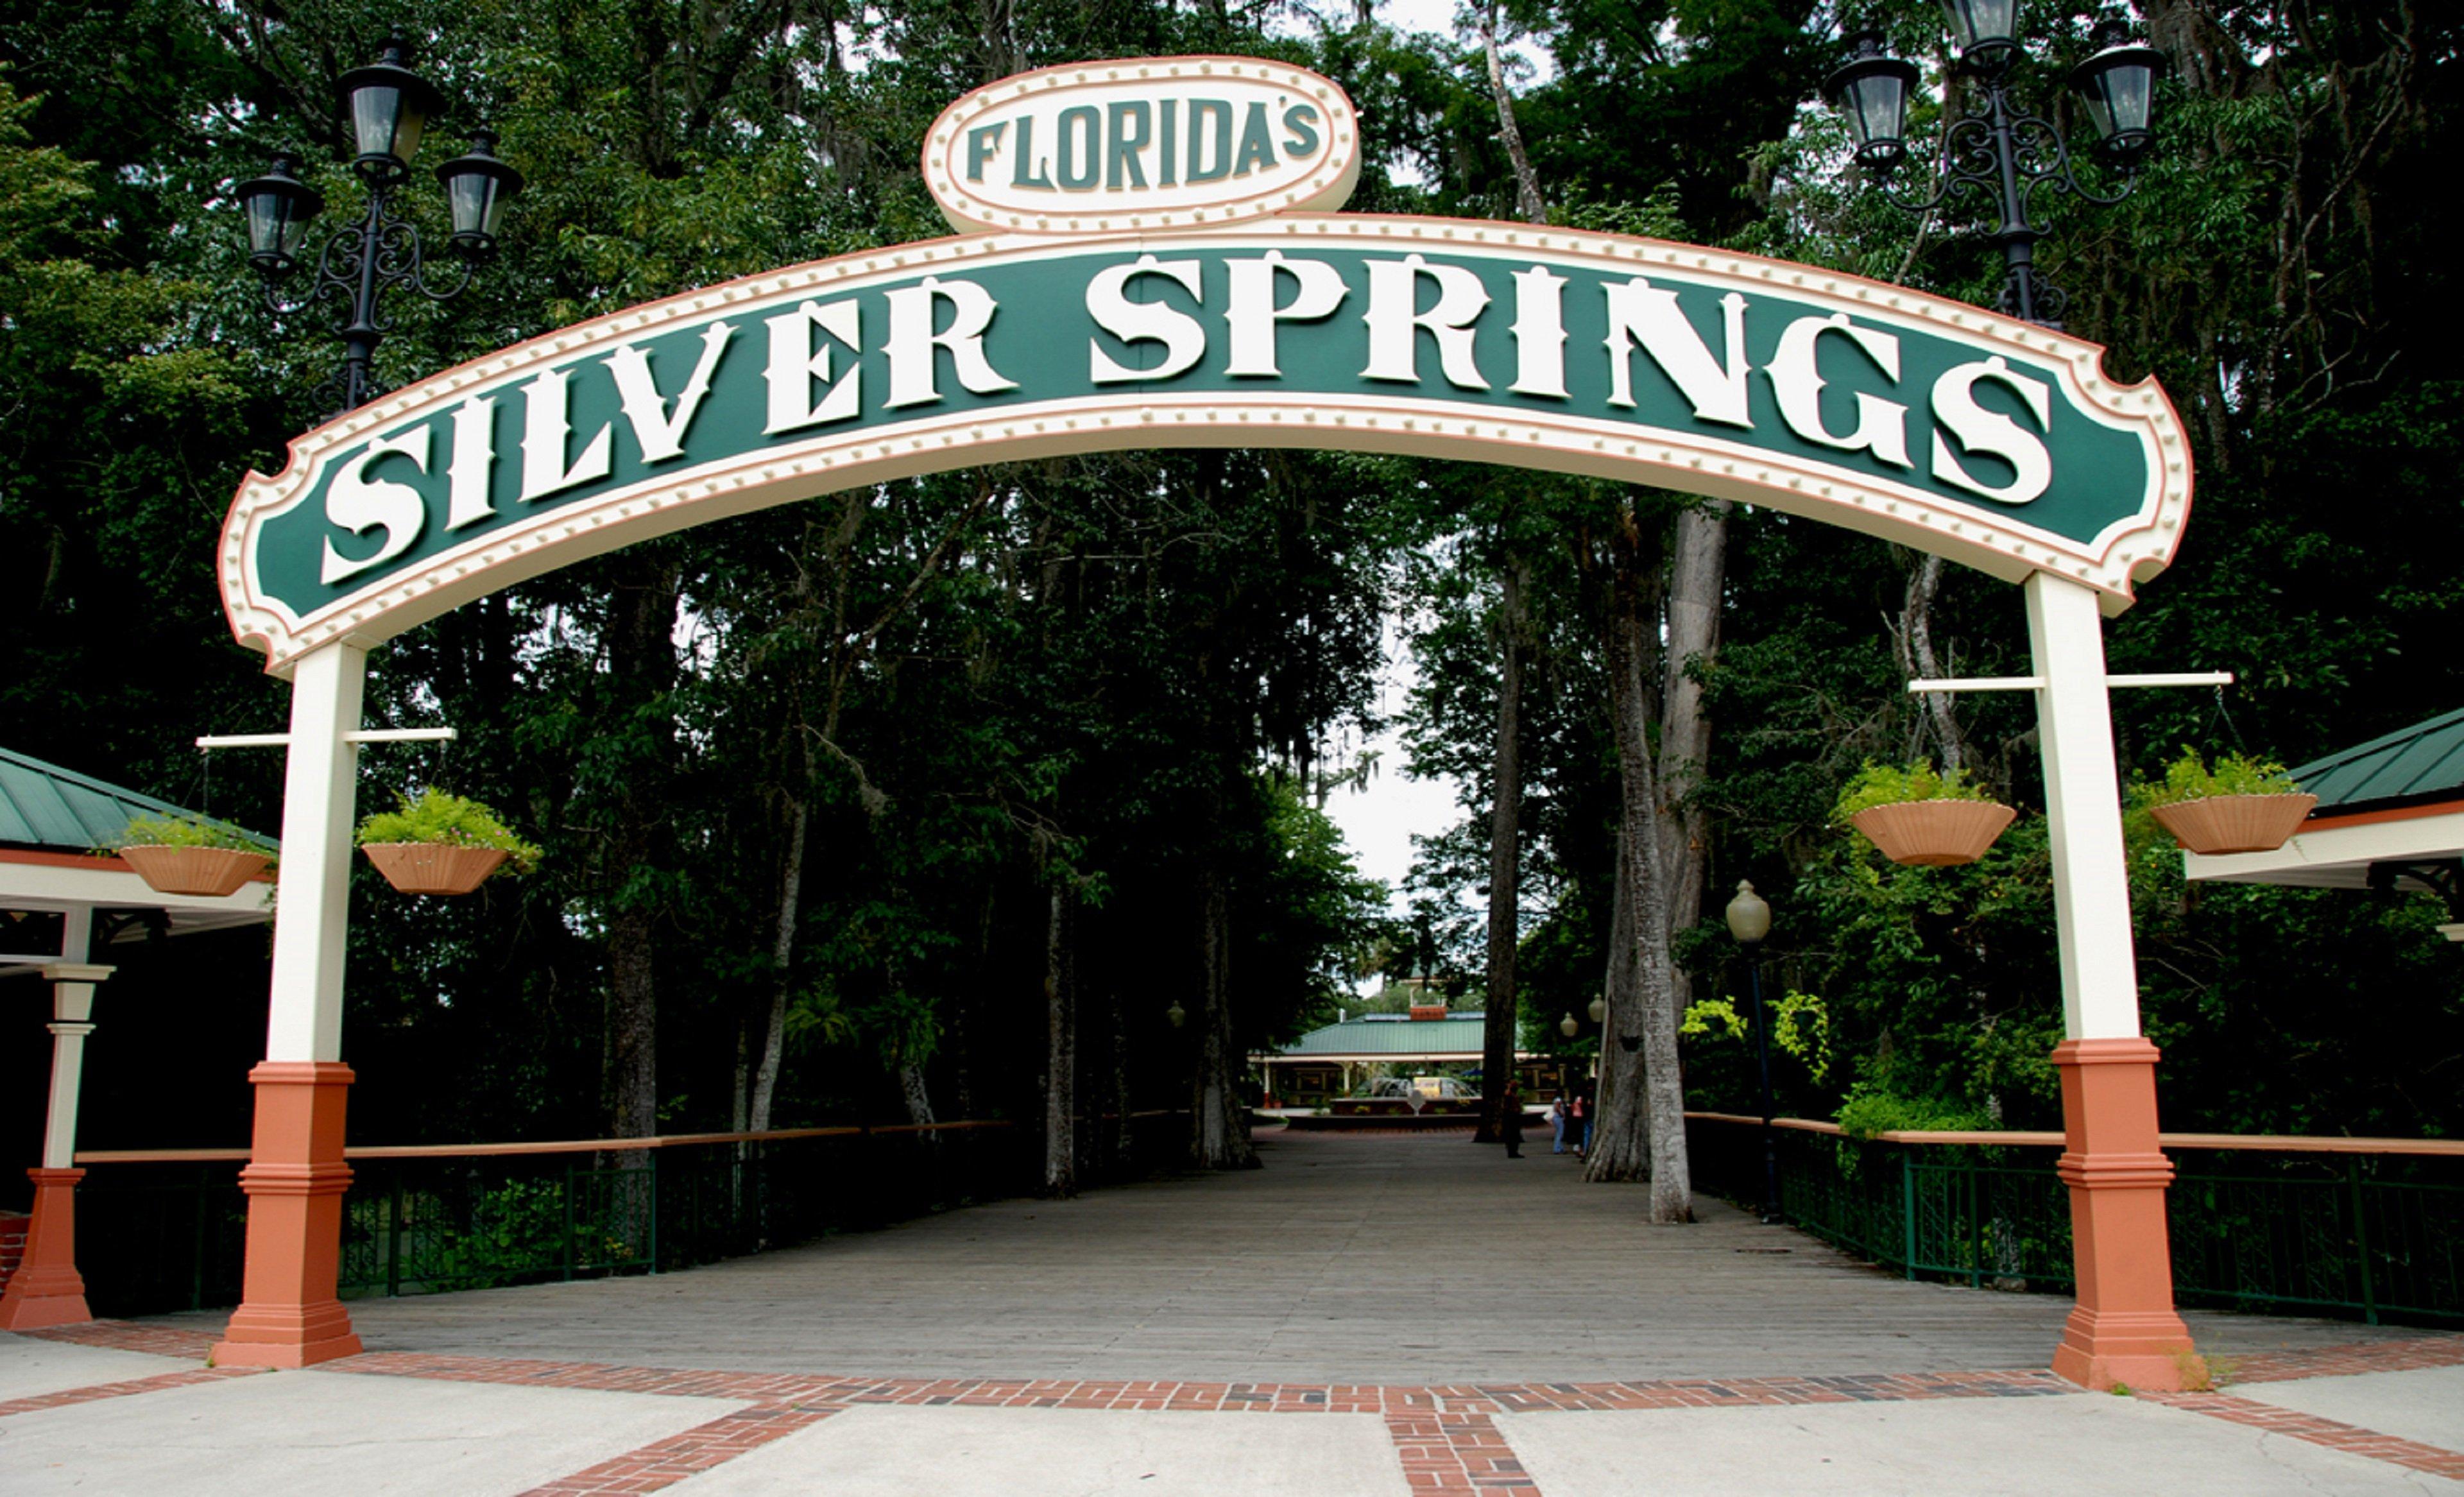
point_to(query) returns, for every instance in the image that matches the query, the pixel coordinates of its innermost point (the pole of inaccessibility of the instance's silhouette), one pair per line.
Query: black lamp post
(389, 107)
(2004, 153)
(1750, 918)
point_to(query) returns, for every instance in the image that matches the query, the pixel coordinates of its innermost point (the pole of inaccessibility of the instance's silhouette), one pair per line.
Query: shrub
(186, 831)
(1887, 785)
(2190, 778)
(1870, 1112)
(451, 819)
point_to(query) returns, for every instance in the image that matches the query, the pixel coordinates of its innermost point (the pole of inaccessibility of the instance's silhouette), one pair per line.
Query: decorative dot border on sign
(1341, 150)
(2132, 548)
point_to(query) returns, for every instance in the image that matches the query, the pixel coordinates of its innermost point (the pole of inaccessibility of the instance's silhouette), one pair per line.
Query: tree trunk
(783, 952)
(1219, 1125)
(1914, 637)
(1060, 1050)
(1696, 572)
(641, 664)
(1621, 1148)
(1659, 1103)
(1498, 1032)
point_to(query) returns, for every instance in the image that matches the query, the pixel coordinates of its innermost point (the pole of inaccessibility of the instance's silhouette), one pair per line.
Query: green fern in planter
(454, 820)
(2188, 778)
(184, 831)
(1887, 785)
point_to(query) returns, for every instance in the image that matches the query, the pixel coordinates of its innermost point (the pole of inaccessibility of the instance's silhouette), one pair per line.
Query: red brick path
(1444, 1434)
(2336, 1436)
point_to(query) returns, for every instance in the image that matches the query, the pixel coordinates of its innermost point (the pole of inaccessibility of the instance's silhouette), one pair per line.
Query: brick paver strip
(2406, 1355)
(2331, 1433)
(1457, 1455)
(93, 1391)
(119, 1335)
(1226, 1398)
(664, 1462)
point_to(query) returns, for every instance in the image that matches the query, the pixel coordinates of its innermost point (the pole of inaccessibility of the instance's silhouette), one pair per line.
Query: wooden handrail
(2256, 1143)
(443, 1151)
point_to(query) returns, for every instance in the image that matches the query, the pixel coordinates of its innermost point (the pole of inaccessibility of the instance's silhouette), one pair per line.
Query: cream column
(47, 1290)
(2124, 1327)
(289, 1314)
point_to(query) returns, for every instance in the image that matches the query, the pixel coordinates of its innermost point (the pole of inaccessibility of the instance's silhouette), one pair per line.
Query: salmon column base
(45, 1289)
(289, 1314)
(2124, 1329)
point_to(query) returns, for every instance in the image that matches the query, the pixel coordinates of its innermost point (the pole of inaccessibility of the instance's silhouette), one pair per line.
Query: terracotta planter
(212, 872)
(2235, 823)
(1934, 833)
(433, 868)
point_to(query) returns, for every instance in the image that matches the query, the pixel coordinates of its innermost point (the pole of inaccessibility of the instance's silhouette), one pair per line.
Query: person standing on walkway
(1580, 1124)
(1557, 1117)
(1510, 1126)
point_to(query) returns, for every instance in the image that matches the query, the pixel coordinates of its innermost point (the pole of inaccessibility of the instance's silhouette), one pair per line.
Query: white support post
(2083, 809)
(72, 1021)
(319, 793)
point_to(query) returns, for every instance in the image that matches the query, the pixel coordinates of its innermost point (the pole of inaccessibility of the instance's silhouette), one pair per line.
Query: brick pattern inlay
(664, 1462)
(1457, 1455)
(2331, 1433)
(1226, 1398)
(2411, 1354)
(93, 1391)
(119, 1335)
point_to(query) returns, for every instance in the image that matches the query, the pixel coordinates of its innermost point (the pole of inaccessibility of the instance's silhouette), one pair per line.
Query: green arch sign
(1934, 424)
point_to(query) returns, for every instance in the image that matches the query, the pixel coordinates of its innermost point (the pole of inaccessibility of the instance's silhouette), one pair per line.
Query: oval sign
(1143, 143)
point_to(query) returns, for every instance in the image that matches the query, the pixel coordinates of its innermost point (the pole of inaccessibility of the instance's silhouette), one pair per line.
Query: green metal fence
(2370, 1236)
(171, 1236)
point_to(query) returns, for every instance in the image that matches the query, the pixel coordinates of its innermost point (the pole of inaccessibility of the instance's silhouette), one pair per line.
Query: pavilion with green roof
(64, 905)
(2390, 815)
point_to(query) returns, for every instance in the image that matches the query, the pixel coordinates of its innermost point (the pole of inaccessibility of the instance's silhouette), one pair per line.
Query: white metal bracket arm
(2036, 683)
(222, 740)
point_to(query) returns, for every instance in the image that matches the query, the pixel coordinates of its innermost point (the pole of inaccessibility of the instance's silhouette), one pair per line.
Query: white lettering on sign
(1882, 424)
(359, 504)
(1642, 314)
(1395, 323)
(546, 422)
(1143, 143)
(1991, 433)
(796, 366)
(914, 375)
(1251, 320)
(660, 431)
(1108, 302)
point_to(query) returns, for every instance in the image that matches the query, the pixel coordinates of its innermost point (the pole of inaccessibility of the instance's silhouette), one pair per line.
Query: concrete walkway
(1367, 1317)
(1421, 1259)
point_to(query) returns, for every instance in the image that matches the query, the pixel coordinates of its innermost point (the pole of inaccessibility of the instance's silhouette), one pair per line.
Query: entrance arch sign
(1923, 421)
(1149, 257)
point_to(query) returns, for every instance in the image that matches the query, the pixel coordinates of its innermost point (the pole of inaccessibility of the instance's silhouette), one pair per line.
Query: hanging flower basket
(1934, 833)
(441, 844)
(2221, 824)
(433, 868)
(210, 872)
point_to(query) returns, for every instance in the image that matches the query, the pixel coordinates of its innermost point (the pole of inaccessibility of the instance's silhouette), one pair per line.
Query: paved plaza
(1372, 1316)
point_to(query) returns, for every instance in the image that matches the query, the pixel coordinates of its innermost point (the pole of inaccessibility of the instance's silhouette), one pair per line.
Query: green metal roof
(43, 805)
(1392, 1034)
(2422, 762)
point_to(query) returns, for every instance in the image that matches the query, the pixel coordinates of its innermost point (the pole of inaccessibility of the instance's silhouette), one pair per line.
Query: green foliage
(1887, 785)
(453, 819)
(1869, 1112)
(1800, 1026)
(2189, 778)
(186, 831)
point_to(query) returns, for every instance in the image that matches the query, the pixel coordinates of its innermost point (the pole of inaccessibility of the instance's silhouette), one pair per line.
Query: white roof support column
(72, 1021)
(320, 795)
(2083, 810)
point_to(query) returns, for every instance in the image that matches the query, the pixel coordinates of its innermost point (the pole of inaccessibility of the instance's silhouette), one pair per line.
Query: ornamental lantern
(1873, 88)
